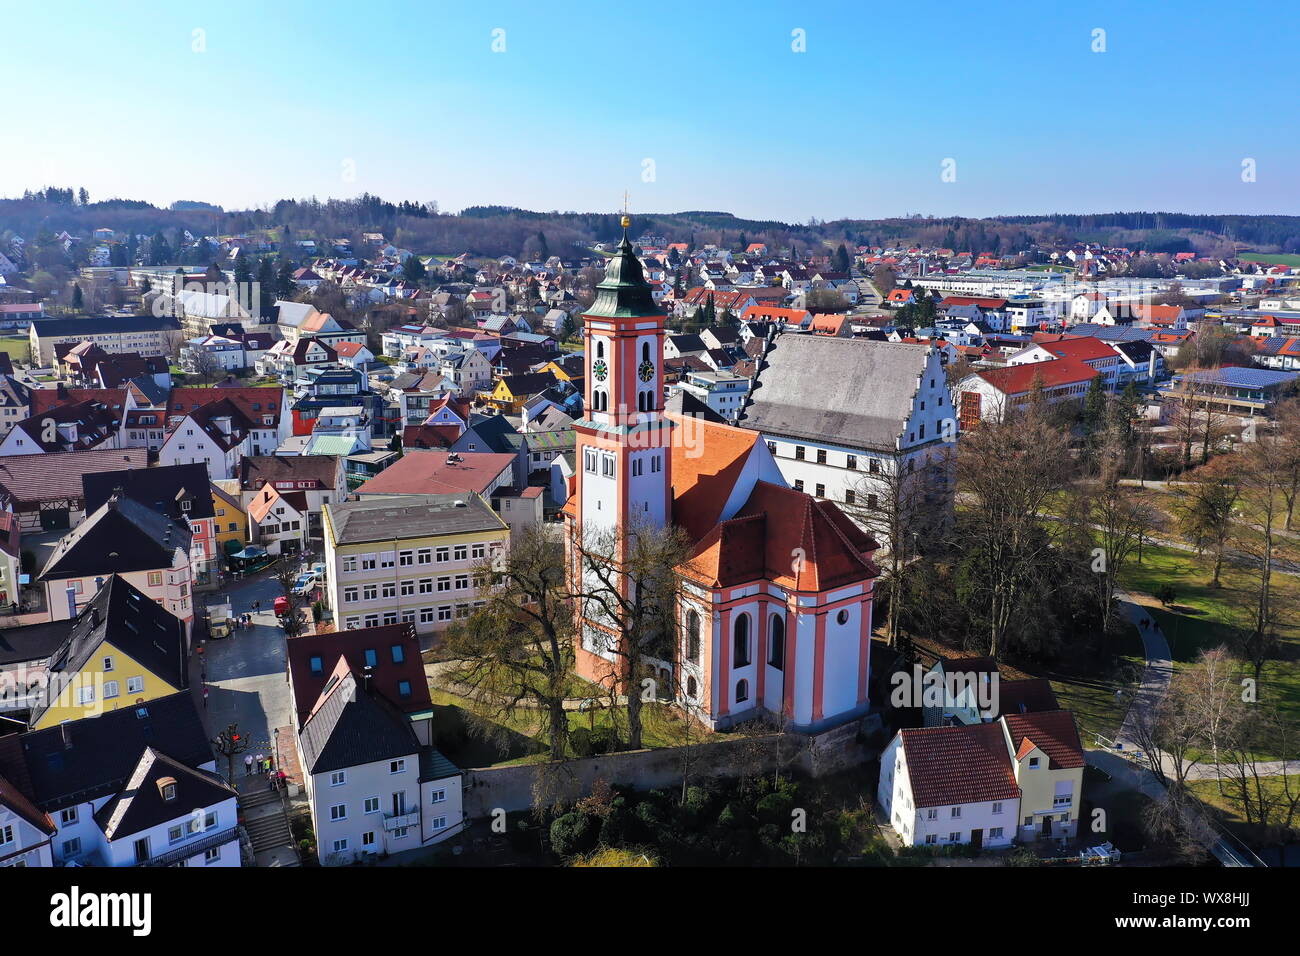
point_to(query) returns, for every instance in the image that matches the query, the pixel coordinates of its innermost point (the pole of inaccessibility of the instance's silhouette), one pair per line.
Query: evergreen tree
(159, 252)
(413, 269)
(544, 250)
(842, 261)
(265, 287)
(77, 301)
(243, 272)
(1094, 408)
(284, 287)
(83, 197)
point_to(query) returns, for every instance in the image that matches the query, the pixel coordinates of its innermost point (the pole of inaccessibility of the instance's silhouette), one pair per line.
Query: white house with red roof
(989, 394)
(353, 354)
(950, 785)
(775, 610)
(217, 434)
(1018, 778)
(1092, 352)
(267, 411)
(278, 520)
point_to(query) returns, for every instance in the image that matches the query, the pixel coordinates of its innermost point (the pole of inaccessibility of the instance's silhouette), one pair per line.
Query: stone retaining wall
(518, 788)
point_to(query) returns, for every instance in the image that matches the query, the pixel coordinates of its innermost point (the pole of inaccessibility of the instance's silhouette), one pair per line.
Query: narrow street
(245, 672)
(248, 687)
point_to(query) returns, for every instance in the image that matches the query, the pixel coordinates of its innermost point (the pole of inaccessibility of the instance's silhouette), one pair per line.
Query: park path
(1156, 674)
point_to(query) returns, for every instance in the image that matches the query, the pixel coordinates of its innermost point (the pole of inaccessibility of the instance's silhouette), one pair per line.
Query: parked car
(305, 582)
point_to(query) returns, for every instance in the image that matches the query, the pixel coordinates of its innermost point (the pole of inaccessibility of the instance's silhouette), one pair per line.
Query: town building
(375, 784)
(135, 786)
(864, 423)
(411, 559)
(120, 537)
(45, 493)
(759, 632)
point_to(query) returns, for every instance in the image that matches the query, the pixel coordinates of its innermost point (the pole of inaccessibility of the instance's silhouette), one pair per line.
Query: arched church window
(740, 653)
(692, 637)
(776, 651)
(742, 691)
(645, 351)
(692, 689)
(600, 348)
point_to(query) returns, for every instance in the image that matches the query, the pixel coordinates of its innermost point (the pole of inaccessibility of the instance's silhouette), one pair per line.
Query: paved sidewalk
(1156, 675)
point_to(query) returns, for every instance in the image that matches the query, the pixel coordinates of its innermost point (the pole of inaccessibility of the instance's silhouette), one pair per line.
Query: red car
(281, 606)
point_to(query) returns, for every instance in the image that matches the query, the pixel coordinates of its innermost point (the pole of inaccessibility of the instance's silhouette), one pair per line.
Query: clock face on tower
(645, 371)
(600, 370)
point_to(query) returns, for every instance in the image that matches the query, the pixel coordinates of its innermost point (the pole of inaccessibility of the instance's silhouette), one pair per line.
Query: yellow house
(567, 369)
(230, 519)
(123, 649)
(512, 392)
(1047, 759)
(414, 558)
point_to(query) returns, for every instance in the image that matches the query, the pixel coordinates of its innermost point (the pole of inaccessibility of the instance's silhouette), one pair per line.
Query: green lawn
(1096, 706)
(521, 736)
(18, 347)
(1202, 617)
(1228, 802)
(1273, 259)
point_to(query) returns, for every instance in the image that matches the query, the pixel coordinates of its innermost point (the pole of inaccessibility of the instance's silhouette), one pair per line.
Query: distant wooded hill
(500, 230)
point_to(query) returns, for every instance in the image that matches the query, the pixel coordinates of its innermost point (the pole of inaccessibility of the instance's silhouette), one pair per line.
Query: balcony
(187, 850)
(396, 821)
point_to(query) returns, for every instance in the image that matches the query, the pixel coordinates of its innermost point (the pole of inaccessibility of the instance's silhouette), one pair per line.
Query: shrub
(614, 828)
(649, 814)
(775, 808)
(698, 799)
(733, 817)
(580, 742)
(573, 833)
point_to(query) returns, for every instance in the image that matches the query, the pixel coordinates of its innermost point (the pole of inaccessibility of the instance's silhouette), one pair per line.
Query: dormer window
(167, 788)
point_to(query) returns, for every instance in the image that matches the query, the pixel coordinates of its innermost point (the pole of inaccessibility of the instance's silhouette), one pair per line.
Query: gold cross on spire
(627, 220)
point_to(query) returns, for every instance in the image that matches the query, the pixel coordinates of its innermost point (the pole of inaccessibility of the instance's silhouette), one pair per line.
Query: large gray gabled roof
(851, 392)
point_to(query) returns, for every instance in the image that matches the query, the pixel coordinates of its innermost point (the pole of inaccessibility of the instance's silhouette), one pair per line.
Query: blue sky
(408, 100)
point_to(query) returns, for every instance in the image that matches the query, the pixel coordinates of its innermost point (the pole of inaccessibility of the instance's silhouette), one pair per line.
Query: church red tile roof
(787, 537)
(707, 460)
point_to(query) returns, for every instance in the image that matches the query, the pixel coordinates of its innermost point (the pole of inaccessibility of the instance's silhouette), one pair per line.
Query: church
(776, 596)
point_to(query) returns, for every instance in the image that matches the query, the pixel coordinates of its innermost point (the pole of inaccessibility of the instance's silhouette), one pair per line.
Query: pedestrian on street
(259, 759)
(205, 698)
(248, 765)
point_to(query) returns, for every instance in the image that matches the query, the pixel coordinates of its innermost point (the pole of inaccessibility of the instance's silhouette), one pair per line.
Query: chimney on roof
(65, 729)
(366, 675)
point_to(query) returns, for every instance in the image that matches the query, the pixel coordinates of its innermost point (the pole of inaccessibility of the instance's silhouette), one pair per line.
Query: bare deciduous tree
(630, 585)
(1007, 471)
(516, 652)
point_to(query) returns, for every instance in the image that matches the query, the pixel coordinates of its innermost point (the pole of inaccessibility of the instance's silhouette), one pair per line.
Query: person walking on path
(248, 765)
(205, 698)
